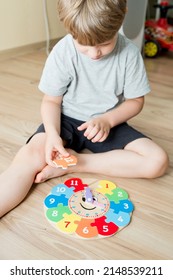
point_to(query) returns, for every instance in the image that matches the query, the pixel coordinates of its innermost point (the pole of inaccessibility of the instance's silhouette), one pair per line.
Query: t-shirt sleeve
(136, 80)
(55, 78)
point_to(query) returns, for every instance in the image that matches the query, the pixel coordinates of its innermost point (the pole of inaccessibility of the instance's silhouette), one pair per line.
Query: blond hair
(92, 22)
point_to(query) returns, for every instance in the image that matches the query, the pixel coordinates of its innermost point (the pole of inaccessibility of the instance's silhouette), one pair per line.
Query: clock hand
(89, 197)
(98, 204)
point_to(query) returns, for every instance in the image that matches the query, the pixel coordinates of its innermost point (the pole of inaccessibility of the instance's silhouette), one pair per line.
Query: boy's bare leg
(16, 181)
(141, 158)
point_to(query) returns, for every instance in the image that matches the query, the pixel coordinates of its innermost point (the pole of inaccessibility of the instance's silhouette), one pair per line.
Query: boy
(93, 82)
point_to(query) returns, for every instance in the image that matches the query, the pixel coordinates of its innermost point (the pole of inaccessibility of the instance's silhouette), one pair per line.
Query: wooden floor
(25, 233)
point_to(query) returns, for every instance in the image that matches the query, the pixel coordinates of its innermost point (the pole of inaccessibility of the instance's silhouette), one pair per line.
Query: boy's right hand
(54, 147)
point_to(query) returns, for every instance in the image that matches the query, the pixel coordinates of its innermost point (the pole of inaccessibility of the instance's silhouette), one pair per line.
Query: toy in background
(95, 210)
(158, 33)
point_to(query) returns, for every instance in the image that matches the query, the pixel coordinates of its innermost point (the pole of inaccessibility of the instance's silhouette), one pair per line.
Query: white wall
(22, 23)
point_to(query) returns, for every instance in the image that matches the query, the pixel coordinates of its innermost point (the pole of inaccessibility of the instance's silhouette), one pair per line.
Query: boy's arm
(97, 129)
(51, 116)
(125, 111)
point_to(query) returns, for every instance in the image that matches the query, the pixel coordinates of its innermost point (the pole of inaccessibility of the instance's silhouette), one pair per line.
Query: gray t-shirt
(93, 87)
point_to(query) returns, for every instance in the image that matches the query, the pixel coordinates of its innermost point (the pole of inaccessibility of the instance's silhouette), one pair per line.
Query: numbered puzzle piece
(123, 205)
(117, 195)
(67, 224)
(126, 206)
(76, 183)
(53, 201)
(56, 214)
(105, 228)
(106, 187)
(85, 229)
(115, 207)
(61, 189)
(121, 219)
(65, 162)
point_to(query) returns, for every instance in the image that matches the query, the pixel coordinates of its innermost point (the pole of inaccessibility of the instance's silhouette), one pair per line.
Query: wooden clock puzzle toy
(95, 210)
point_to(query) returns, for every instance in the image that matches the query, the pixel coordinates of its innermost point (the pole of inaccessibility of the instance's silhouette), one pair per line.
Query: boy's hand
(96, 130)
(54, 147)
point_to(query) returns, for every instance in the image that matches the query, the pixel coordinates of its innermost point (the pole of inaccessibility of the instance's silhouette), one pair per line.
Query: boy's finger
(49, 159)
(63, 151)
(83, 126)
(91, 132)
(98, 137)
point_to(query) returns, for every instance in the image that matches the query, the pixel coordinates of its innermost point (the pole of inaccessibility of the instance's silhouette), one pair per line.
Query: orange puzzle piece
(64, 162)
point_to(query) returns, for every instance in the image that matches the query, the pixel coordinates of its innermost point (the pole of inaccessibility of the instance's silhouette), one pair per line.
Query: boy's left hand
(96, 130)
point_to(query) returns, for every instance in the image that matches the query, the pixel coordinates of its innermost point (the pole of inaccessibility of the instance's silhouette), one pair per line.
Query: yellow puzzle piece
(106, 187)
(67, 223)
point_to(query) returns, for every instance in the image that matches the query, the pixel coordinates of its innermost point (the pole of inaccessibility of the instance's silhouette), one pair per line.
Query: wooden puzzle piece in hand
(65, 162)
(93, 210)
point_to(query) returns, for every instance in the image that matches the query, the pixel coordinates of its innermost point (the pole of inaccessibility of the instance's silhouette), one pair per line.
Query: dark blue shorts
(118, 138)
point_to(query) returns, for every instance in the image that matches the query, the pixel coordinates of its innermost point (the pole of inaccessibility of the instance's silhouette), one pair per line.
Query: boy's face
(98, 51)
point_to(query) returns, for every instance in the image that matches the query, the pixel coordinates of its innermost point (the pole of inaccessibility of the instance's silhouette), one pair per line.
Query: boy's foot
(49, 172)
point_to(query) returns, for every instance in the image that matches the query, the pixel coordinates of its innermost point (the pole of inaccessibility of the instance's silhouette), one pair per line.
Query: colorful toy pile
(159, 33)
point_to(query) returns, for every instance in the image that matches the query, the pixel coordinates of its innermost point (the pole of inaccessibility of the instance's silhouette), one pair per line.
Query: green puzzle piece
(56, 214)
(118, 194)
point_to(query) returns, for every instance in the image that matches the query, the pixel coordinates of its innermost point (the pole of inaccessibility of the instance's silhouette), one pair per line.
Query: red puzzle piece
(105, 228)
(76, 183)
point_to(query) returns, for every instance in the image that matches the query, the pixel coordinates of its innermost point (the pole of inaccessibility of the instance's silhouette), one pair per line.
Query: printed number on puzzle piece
(106, 187)
(105, 228)
(65, 162)
(67, 224)
(123, 205)
(117, 195)
(121, 219)
(62, 189)
(56, 214)
(85, 229)
(76, 183)
(53, 201)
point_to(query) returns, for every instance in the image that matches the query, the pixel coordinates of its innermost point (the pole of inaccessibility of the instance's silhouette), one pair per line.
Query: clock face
(93, 210)
(79, 205)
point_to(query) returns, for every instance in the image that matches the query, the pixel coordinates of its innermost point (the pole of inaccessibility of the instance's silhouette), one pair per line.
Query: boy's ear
(126, 10)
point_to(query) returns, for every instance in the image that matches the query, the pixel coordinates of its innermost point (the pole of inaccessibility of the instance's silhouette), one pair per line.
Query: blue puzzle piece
(123, 205)
(62, 200)
(126, 206)
(109, 215)
(62, 189)
(121, 219)
(115, 206)
(52, 201)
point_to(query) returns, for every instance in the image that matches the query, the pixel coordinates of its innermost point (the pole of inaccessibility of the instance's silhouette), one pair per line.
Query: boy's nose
(95, 53)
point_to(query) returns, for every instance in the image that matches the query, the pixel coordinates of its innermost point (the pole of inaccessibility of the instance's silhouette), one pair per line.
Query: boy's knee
(34, 153)
(158, 165)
